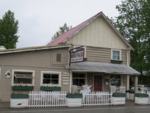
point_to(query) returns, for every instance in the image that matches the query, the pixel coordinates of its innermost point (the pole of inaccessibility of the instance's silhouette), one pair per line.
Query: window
(115, 80)
(23, 77)
(78, 79)
(116, 55)
(50, 78)
(58, 57)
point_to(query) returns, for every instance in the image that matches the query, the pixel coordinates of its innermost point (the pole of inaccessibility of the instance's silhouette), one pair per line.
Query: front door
(97, 83)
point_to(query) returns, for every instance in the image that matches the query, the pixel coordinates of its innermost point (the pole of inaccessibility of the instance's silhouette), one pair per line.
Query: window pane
(50, 78)
(115, 80)
(23, 74)
(23, 77)
(78, 79)
(116, 55)
(22, 81)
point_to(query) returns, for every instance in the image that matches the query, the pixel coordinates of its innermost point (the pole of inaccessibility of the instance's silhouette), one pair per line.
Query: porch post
(135, 84)
(128, 82)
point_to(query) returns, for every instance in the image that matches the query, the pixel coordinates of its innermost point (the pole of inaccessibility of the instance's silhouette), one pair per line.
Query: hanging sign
(77, 56)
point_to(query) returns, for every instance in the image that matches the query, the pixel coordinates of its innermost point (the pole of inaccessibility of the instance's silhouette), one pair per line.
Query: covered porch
(102, 75)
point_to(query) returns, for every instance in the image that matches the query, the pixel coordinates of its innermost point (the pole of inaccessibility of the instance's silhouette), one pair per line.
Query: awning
(103, 68)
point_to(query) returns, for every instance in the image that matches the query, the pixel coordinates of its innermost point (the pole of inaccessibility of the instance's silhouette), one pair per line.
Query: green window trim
(117, 61)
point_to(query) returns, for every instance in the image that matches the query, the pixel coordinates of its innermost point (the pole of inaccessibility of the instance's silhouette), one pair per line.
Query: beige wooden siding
(98, 34)
(98, 54)
(37, 61)
(7, 90)
(45, 58)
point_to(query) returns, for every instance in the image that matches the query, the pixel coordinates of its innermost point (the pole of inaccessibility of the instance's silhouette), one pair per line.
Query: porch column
(128, 82)
(135, 84)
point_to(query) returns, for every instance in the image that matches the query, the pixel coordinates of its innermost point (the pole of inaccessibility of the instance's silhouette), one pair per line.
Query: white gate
(47, 99)
(96, 99)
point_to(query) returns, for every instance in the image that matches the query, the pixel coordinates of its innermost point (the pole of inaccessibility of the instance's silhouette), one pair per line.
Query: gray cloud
(40, 19)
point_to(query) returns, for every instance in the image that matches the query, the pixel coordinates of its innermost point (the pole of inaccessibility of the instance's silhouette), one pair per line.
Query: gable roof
(65, 36)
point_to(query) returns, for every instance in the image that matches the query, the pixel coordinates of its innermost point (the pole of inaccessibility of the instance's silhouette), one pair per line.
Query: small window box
(22, 88)
(116, 61)
(47, 88)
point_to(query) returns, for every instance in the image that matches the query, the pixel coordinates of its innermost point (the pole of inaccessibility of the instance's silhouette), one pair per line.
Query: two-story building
(92, 53)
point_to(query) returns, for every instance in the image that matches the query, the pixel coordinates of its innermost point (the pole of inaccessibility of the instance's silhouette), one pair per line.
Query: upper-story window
(116, 55)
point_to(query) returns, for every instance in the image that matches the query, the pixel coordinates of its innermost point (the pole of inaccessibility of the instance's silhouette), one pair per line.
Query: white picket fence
(96, 99)
(58, 99)
(47, 99)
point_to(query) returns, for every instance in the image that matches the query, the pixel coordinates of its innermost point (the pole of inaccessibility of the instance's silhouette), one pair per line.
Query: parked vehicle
(142, 87)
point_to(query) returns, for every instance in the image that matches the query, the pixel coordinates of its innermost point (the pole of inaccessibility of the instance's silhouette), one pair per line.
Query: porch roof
(103, 68)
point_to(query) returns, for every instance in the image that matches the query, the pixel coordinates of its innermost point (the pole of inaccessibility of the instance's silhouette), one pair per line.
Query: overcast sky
(40, 19)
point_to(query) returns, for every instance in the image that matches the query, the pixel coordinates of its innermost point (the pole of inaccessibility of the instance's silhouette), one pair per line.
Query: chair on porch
(122, 89)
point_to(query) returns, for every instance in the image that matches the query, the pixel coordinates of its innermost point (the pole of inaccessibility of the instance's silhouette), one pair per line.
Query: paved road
(107, 109)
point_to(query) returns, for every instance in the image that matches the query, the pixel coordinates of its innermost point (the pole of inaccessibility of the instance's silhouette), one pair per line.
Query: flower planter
(141, 98)
(19, 100)
(118, 99)
(22, 88)
(50, 88)
(131, 95)
(73, 100)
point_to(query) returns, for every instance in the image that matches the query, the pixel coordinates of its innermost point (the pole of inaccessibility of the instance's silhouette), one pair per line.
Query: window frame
(79, 78)
(17, 70)
(50, 72)
(120, 54)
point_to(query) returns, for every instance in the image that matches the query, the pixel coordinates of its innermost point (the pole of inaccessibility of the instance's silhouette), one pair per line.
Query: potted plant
(22, 88)
(19, 100)
(50, 88)
(73, 100)
(118, 98)
(141, 98)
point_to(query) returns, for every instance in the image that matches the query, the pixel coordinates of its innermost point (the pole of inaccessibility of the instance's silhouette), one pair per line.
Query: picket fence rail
(96, 99)
(58, 99)
(47, 99)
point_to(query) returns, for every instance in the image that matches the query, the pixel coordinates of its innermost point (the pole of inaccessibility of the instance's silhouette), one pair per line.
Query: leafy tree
(8, 30)
(131, 24)
(61, 30)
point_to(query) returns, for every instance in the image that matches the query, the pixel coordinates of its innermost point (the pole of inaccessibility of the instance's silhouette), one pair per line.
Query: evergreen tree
(8, 30)
(61, 30)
